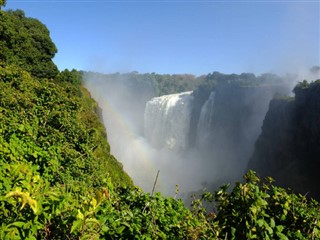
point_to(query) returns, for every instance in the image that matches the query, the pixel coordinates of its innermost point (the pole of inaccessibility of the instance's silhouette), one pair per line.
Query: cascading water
(194, 143)
(205, 121)
(167, 121)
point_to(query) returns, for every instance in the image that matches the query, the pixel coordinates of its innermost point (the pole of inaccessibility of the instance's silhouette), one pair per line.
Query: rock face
(223, 124)
(288, 148)
(229, 122)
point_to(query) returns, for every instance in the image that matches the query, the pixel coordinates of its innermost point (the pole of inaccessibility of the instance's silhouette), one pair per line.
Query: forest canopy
(25, 42)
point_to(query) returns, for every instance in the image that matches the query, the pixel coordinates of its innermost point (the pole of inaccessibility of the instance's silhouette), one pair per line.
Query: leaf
(269, 229)
(25, 198)
(280, 228)
(272, 223)
(17, 224)
(92, 220)
(120, 229)
(80, 215)
(76, 225)
(94, 203)
(36, 178)
(104, 228)
(282, 236)
(233, 231)
(254, 210)
(260, 222)
(262, 202)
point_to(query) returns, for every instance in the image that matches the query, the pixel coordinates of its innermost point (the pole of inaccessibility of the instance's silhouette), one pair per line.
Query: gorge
(197, 139)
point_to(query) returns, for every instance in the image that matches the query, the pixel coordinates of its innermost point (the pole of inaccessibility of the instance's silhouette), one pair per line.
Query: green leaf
(94, 203)
(269, 229)
(104, 228)
(76, 225)
(282, 236)
(272, 223)
(260, 222)
(92, 220)
(18, 224)
(233, 231)
(120, 229)
(80, 215)
(254, 210)
(280, 228)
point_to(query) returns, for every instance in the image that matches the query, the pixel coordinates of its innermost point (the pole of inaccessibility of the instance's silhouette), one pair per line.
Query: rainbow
(131, 150)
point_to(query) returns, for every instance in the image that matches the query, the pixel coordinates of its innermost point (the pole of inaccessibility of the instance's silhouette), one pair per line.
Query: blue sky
(195, 37)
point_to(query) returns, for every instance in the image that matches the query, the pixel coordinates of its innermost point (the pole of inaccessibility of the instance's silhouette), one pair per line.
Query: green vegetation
(58, 179)
(216, 80)
(33, 210)
(55, 127)
(256, 210)
(25, 42)
(155, 84)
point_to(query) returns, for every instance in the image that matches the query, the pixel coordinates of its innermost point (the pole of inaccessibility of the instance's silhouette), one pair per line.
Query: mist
(220, 150)
(123, 117)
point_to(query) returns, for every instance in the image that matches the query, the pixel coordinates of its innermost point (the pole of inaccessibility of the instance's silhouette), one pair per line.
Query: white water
(140, 159)
(205, 121)
(167, 121)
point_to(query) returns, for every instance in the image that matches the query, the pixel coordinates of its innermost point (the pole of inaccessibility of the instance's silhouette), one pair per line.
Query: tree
(73, 76)
(2, 3)
(26, 42)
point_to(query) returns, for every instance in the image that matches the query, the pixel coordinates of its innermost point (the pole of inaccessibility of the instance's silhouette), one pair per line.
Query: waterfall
(205, 121)
(167, 121)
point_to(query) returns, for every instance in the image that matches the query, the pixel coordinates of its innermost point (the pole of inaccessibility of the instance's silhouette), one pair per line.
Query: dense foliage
(255, 210)
(288, 148)
(25, 42)
(53, 126)
(34, 210)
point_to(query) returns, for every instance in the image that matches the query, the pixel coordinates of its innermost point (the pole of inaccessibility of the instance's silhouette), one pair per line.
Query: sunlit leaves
(254, 211)
(54, 126)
